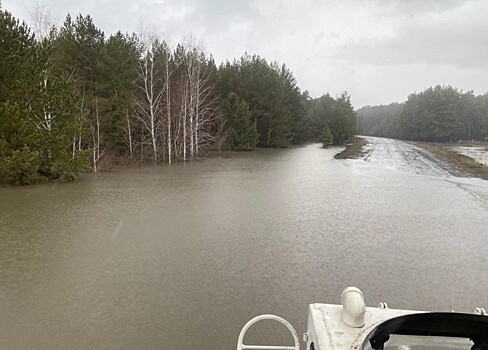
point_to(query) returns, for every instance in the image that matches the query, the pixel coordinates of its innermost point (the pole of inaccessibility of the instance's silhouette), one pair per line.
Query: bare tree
(41, 19)
(128, 135)
(167, 59)
(174, 102)
(182, 106)
(191, 71)
(202, 102)
(97, 151)
(206, 105)
(148, 100)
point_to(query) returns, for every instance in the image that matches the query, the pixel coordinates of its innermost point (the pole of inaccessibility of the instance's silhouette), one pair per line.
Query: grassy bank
(353, 149)
(458, 160)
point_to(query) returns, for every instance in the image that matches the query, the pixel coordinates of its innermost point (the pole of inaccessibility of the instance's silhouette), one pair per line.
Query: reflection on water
(183, 256)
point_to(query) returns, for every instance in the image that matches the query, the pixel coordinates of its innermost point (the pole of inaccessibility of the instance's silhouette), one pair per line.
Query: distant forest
(439, 114)
(74, 99)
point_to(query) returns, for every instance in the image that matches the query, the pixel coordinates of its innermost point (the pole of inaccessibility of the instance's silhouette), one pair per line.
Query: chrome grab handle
(242, 346)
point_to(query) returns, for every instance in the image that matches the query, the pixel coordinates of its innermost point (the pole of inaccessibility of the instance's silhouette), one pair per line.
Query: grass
(471, 144)
(459, 160)
(353, 150)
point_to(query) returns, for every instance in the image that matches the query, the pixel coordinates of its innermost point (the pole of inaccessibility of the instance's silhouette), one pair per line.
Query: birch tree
(199, 108)
(149, 97)
(97, 150)
(206, 104)
(41, 20)
(167, 86)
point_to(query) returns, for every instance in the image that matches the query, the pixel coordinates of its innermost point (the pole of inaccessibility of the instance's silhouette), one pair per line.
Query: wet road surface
(404, 156)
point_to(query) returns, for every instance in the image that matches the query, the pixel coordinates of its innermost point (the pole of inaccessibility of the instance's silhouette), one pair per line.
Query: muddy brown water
(182, 256)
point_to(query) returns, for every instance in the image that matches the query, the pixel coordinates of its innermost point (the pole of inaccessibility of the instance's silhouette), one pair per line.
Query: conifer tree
(239, 129)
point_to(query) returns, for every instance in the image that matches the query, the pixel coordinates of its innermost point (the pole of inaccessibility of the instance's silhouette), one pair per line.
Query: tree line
(74, 99)
(437, 114)
(332, 121)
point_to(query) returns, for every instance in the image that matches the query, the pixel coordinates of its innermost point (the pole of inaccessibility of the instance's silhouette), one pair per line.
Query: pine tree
(239, 129)
(19, 138)
(326, 137)
(37, 113)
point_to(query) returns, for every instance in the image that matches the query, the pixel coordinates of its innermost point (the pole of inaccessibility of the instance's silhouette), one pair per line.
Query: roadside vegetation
(460, 161)
(353, 150)
(437, 119)
(438, 114)
(74, 98)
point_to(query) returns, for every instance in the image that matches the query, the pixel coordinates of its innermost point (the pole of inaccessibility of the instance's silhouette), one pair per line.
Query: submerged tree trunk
(168, 109)
(129, 134)
(184, 125)
(96, 139)
(197, 105)
(148, 102)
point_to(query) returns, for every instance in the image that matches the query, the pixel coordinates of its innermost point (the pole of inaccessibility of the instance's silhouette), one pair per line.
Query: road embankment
(448, 154)
(353, 150)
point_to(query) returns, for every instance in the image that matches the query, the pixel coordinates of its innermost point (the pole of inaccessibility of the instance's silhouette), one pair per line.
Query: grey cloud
(218, 8)
(378, 50)
(218, 15)
(416, 7)
(462, 44)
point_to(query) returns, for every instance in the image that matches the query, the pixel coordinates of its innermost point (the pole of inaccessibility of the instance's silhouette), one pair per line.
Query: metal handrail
(242, 346)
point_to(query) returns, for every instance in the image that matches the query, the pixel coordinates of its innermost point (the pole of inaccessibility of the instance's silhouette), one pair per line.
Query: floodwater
(182, 256)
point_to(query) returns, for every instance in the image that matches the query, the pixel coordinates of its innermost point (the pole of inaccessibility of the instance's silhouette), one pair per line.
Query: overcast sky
(379, 51)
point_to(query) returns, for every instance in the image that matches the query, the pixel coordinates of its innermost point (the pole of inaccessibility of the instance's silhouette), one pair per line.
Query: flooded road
(399, 155)
(182, 256)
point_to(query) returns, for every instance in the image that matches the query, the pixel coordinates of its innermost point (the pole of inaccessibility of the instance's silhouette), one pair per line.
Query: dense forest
(439, 114)
(74, 99)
